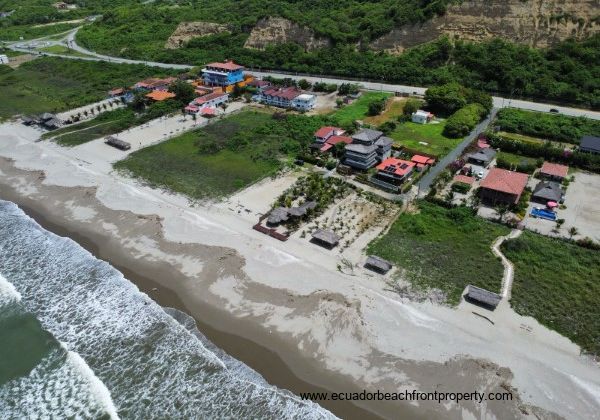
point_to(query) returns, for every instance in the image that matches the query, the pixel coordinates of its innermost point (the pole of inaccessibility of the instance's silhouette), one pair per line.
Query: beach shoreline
(222, 330)
(341, 331)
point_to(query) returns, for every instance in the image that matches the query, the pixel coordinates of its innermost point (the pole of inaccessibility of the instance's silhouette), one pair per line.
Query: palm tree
(573, 231)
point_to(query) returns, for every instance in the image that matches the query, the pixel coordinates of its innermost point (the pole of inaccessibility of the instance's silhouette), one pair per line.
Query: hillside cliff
(274, 30)
(538, 23)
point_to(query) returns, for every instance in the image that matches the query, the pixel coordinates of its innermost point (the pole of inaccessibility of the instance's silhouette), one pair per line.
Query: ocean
(78, 340)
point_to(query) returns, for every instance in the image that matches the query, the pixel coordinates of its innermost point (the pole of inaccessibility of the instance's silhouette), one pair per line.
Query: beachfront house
(222, 74)
(546, 191)
(421, 117)
(324, 133)
(395, 171)
(554, 171)
(502, 186)
(287, 97)
(422, 162)
(259, 85)
(160, 95)
(367, 148)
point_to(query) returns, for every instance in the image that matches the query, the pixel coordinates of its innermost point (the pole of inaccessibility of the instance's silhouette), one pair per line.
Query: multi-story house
(368, 147)
(223, 74)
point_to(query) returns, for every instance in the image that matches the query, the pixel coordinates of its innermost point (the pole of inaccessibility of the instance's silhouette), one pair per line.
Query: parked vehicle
(540, 213)
(479, 175)
(554, 110)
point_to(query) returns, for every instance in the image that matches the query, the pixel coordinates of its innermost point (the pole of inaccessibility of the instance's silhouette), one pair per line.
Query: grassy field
(61, 49)
(194, 163)
(514, 159)
(14, 33)
(358, 109)
(55, 84)
(556, 282)
(442, 248)
(411, 135)
(393, 110)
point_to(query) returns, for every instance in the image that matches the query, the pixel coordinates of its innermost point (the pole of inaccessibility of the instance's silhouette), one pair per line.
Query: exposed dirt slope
(537, 23)
(189, 30)
(275, 30)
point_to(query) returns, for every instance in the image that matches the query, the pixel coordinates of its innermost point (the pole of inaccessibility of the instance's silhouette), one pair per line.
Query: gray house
(367, 148)
(590, 144)
(482, 157)
(547, 191)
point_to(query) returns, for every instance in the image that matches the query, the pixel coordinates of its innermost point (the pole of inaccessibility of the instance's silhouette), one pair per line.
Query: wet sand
(213, 323)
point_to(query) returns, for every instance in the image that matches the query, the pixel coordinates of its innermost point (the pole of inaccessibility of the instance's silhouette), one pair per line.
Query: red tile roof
(288, 93)
(422, 160)
(397, 166)
(226, 65)
(207, 111)
(554, 169)
(339, 139)
(326, 147)
(324, 131)
(505, 181)
(464, 179)
(206, 98)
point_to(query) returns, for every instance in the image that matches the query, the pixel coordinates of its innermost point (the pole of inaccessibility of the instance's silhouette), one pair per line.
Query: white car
(479, 175)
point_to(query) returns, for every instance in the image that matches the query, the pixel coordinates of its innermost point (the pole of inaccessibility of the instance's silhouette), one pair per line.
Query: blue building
(222, 74)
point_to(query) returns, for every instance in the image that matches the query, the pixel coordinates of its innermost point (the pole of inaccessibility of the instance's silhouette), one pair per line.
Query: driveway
(582, 201)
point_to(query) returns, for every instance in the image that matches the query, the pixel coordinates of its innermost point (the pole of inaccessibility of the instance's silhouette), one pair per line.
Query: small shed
(482, 297)
(119, 144)
(326, 238)
(52, 123)
(378, 264)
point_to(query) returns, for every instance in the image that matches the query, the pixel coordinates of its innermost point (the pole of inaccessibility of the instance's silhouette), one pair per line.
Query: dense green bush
(464, 120)
(548, 126)
(461, 187)
(451, 97)
(546, 151)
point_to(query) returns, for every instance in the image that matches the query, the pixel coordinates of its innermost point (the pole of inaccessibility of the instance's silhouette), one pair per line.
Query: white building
(304, 102)
(422, 117)
(3, 59)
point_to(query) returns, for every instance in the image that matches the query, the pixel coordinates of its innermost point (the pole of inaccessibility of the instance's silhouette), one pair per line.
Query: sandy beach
(284, 308)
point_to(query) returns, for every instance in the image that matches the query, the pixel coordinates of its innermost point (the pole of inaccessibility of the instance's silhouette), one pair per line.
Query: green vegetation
(313, 187)
(61, 49)
(359, 109)
(556, 282)
(225, 156)
(547, 126)
(567, 72)
(464, 120)
(52, 84)
(443, 248)
(545, 151)
(14, 33)
(411, 135)
(516, 162)
(451, 97)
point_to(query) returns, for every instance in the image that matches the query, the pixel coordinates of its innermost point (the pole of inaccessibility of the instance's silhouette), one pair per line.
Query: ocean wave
(8, 293)
(153, 365)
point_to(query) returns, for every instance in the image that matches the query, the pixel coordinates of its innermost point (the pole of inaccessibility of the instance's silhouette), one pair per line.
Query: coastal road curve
(499, 102)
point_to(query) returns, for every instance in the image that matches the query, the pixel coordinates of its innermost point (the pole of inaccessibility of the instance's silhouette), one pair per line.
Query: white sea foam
(149, 363)
(8, 293)
(96, 388)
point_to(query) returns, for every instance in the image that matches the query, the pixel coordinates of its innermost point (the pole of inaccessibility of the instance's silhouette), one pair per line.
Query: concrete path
(509, 271)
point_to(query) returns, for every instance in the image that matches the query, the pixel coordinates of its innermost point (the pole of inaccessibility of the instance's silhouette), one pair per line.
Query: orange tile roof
(505, 181)
(422, 159)
(160, 95)
(464, 179)
(398, 166)
(554, 169)
(227, 65)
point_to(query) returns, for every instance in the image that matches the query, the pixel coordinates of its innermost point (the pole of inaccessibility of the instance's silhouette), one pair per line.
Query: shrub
(376, 107)
(461, 187)
(464, 120)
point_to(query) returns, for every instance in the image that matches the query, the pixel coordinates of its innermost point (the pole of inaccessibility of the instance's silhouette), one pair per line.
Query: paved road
(425, 182)
(499, 102)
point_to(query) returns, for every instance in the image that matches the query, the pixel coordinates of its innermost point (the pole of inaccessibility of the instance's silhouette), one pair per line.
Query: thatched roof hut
(483, 297)
(277, 216)
(326, 238)
(378, 264)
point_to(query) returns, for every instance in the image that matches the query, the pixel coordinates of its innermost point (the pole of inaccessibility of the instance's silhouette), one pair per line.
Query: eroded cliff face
(538, 23)
(275, 30)
(189, 30)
